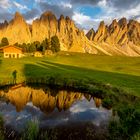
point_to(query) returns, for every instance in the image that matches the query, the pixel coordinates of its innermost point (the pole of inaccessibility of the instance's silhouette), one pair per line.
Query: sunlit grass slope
(123, 72)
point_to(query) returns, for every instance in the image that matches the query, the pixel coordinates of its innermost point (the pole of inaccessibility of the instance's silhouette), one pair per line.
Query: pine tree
(4, 42)
(45, 45)
(32, 48)
(55, 44)
(37, 45)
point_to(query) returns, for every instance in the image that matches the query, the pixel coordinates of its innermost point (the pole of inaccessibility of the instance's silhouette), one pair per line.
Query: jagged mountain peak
(90, 35)
(122, 22)
(17, 14)
(92, 30)
(102, 23)
(62, 17)
(48, 15)
(114, 22)
(120, 38)
(18, 17)
(4, 24)
(68, 18)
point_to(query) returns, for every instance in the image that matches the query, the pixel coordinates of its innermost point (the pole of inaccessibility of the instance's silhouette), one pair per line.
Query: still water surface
(50, 108)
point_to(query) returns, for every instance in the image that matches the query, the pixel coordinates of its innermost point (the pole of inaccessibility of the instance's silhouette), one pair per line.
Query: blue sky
(85, 13)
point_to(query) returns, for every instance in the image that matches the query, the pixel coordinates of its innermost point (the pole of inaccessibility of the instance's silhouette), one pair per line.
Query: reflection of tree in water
(45, 100)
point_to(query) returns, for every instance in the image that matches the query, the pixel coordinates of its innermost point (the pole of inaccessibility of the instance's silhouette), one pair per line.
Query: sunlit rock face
(134, 32)
(71, 38)
(45, 27)
(119, 38)
(91, 34)
(101, 33)
(17, 30)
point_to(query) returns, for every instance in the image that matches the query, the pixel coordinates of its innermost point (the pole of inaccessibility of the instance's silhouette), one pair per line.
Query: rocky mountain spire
(119, 38)
(45, 27)
(134, 32)
(101, 32)
(122, 36)
(90, 35)
(18, 17)
(18, 30)
(4, 24)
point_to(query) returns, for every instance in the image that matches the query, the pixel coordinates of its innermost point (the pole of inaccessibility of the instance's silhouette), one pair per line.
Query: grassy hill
(123, 72)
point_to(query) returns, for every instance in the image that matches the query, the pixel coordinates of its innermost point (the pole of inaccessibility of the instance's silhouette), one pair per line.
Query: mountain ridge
(122, 36)
(119, 38)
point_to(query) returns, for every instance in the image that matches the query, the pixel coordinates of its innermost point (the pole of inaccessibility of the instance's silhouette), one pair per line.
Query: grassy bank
(121, 72)
(127, 127)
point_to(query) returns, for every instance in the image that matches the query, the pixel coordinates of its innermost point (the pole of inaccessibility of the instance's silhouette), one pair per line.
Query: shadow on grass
(44, 69)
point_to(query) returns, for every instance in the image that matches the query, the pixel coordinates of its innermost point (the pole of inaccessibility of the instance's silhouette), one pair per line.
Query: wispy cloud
(82, 19)
(20, 6)
(109, 9)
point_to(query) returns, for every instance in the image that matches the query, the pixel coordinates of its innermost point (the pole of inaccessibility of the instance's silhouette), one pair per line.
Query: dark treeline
(52, 44)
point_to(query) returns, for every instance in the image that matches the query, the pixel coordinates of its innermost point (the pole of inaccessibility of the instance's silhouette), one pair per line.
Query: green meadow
(118, 71)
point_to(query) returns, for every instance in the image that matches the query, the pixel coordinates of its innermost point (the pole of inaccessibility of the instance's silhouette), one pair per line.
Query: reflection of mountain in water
(47, 100)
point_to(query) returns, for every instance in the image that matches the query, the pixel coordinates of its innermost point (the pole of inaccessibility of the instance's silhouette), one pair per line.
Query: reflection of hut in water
(97, 101)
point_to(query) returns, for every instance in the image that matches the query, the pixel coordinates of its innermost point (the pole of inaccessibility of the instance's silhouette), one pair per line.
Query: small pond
(50, 107)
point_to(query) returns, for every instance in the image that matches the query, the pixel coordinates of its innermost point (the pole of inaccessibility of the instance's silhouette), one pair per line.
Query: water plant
(1, 128)
(31, 131)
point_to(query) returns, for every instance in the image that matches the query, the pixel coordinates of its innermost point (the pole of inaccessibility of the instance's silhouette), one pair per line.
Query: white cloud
(31, 20)
(107, 14)
(86, 22)
(66, 5)
(132, 12)
(19, 6)
(102, 3)
(80, 18)
(37, 1)
(109, 10)
(5, 4)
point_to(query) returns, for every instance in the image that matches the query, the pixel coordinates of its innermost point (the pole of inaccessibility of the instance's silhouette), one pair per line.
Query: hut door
(17, 55)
